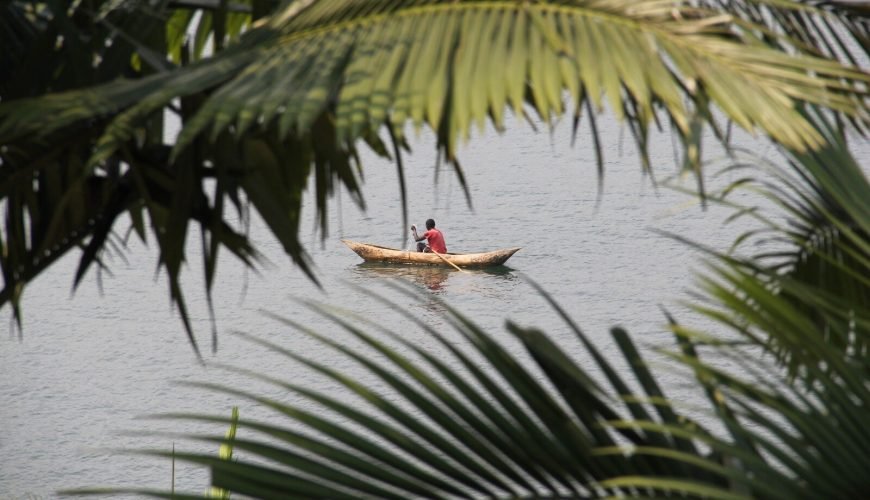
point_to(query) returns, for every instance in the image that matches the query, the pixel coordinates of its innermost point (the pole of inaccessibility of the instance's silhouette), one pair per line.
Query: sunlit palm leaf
(381, 61)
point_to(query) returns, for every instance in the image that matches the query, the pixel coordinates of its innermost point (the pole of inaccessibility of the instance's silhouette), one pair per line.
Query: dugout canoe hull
(376, 253)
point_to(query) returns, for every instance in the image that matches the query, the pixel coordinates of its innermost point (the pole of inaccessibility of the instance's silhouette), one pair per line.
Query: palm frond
(822, 257)
(373, 62)
(60, 202)
(837, 30)
(291, 97)
(490, 463)
(807, 435)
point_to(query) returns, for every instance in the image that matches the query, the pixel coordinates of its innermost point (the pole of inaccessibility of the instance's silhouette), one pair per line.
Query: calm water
(90, 364)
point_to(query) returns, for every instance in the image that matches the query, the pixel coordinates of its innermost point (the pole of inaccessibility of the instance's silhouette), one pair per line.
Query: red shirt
(435, 240)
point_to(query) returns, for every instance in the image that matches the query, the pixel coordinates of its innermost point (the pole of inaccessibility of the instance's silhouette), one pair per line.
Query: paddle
(447, 261)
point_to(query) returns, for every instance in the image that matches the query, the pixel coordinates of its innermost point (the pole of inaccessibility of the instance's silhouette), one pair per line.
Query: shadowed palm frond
(54, 201)
(500, 426)
(817, 260)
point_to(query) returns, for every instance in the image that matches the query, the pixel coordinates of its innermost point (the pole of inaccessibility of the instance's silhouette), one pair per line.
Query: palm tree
(292, 89)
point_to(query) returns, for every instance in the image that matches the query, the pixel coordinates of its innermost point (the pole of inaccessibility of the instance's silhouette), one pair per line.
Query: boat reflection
(433, 278)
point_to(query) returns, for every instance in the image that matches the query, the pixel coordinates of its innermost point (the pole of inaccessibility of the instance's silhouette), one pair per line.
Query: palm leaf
(835, 29)
(451, 35)
(797, 429)
(822, 257)
(524, 454)
(293, 94)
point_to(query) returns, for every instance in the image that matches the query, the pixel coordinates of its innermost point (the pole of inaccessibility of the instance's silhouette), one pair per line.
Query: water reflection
(434, 278)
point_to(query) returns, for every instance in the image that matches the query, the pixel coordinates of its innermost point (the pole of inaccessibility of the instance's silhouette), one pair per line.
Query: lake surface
(90, 364)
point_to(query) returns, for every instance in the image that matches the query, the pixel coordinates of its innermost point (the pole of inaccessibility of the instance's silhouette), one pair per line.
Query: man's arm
(414, 232)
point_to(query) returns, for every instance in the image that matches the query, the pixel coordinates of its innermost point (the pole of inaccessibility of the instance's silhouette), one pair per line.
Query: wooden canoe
(375, 253)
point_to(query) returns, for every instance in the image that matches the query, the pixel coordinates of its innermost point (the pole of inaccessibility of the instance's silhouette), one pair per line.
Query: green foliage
(814, 277)
(291, 90)
(55, 200)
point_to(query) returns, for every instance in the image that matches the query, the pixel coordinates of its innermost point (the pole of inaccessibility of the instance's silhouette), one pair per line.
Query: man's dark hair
(430, 223)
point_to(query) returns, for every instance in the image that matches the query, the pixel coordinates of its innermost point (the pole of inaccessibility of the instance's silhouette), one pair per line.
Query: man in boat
(433, 237)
